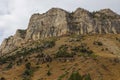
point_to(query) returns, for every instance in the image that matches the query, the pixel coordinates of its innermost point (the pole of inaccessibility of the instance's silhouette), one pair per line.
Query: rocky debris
(58, 22)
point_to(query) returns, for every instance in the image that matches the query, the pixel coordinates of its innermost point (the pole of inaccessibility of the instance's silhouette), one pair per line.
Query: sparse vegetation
(28, 65)
(49, 73)
(10, 65)
(65, 56)
(2, 78)
(87, 77)
(98, 43)
(3, 60)
(25, 51)
(62, 52)
(49, 44)
(75, 76)
(82, 50)
(19, 62)
(62, 76)
(118, 39)
(48, 65)
(28, 71)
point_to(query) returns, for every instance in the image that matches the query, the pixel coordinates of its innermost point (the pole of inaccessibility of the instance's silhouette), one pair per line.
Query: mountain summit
(80, 45)
(58, 22)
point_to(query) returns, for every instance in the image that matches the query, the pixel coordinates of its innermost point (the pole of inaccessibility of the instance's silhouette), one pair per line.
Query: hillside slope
(56, 58)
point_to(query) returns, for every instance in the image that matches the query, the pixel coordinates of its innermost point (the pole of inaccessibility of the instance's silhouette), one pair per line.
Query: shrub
(83, 50)
(19, 62)
(49, 73)
(2, 78)
(87, 77)
(102, 49)
(98, 43)
(48, 65)
(28, 65)
(75, 49)
(49, 44)
(28, 72)
(75, 76)
(63, 47)
(118, 39)
(3, 61)
(12, 58)
(10, 65)
(94, 56)
(61, 53)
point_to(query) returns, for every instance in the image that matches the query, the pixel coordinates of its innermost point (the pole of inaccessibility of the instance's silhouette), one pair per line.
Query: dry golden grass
(102, 67)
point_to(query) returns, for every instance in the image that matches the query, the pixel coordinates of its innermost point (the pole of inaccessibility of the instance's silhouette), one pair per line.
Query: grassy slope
(101, 68)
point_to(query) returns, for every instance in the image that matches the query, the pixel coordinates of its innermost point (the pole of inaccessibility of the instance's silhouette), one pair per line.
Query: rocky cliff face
(58, 22)
(52, 23)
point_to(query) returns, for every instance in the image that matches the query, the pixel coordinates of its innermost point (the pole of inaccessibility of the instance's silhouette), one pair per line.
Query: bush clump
(3, 60)
(28, 65)
(2, 78)
(83, 50)
(87, 77)
(49, 44)
(28, 71)
(75, 76)
(49, 73)
(62, 52)
(10, 65)
(98, 43)
(118, 39)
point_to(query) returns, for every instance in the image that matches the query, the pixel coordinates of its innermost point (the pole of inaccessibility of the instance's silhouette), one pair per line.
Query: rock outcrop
(58, 22)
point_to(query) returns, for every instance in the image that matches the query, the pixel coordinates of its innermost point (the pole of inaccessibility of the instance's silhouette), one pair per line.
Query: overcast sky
(15, 14)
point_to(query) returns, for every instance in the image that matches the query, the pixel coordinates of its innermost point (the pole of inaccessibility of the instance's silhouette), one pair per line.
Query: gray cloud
(15, 14)
(4, 7)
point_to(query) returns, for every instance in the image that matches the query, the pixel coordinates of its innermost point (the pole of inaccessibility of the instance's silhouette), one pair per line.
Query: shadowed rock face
(58, 22)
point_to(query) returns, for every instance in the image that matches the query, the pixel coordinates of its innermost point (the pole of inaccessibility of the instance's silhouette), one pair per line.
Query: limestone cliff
(58, 22)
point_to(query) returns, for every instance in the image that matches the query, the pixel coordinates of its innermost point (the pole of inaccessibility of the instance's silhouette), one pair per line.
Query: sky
(15, 14)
